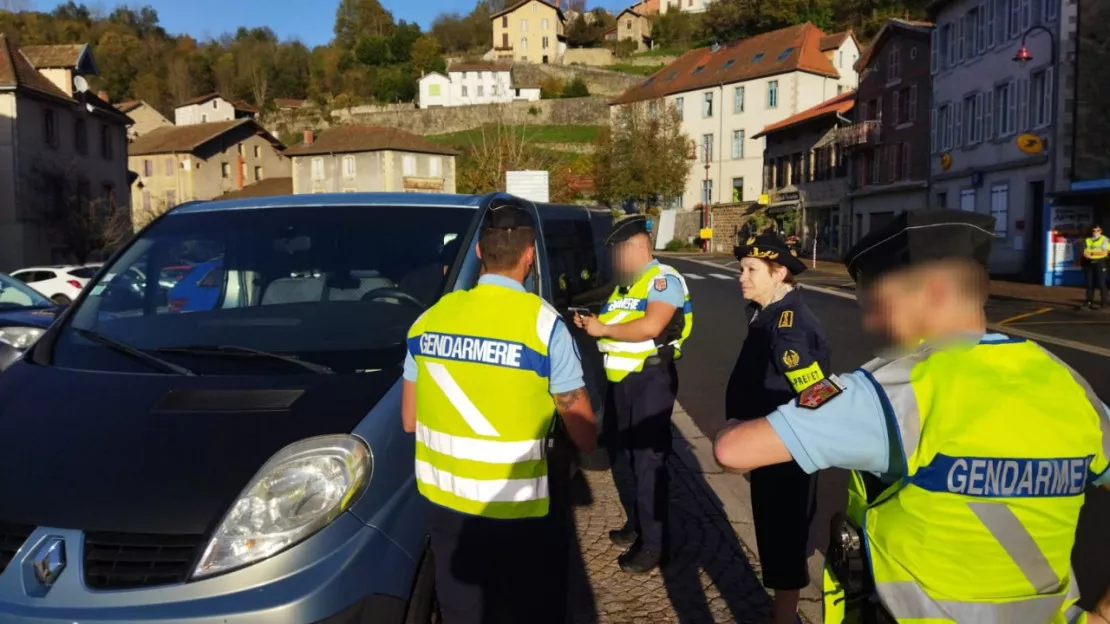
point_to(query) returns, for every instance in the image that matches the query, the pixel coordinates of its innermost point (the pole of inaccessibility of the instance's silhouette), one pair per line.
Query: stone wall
(598, 81)
(601, 57)
(728, 220)
(686, 225)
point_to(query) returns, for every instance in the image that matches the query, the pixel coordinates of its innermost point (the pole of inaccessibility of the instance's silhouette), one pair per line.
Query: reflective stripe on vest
(1098, 247)
(622, 358)
(483, 406)
(971, 421)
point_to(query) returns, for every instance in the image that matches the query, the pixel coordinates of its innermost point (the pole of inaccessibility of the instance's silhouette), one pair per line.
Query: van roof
(332, 199)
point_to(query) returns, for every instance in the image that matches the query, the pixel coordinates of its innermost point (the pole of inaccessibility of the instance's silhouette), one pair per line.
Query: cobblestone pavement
(711, 577)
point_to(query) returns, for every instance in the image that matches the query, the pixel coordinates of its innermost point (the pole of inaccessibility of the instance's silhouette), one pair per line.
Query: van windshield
(210, 290)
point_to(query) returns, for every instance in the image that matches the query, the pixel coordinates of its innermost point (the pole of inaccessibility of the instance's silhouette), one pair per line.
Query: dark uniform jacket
(784, 352)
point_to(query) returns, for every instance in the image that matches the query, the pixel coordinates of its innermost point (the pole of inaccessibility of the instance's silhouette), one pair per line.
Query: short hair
(772, 266)
(502, 249)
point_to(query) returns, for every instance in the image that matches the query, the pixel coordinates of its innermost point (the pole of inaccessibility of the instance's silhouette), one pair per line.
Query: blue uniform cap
(770, 247)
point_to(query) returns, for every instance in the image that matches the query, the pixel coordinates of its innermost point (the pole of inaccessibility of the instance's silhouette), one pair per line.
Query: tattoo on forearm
(566, 400)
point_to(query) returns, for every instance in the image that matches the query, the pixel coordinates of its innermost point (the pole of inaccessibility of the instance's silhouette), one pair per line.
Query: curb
(734, 493)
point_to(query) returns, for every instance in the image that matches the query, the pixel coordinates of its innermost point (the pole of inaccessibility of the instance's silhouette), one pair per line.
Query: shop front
(1068, 222)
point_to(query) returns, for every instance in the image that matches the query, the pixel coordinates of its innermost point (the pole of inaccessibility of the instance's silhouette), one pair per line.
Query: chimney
(103, 95)
(308, 137)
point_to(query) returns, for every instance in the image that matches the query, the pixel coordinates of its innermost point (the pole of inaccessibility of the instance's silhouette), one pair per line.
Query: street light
(1023, 55)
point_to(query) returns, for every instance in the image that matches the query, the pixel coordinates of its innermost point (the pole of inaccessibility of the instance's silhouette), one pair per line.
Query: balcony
(861, 134)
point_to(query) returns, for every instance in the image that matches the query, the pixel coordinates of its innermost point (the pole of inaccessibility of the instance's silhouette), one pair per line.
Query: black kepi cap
(507, 217)
(770, 247)
(627, 228)
(921, 236)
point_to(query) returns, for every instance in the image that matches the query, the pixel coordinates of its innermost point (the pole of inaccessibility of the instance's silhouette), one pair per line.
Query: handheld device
(580, 311)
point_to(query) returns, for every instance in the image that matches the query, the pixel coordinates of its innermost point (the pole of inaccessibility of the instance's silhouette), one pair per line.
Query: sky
(309, 21)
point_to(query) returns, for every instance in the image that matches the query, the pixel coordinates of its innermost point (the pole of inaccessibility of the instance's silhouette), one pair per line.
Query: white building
(686, 6)
(210, 108)
(985, 106)
(727, 94)
(466, 85)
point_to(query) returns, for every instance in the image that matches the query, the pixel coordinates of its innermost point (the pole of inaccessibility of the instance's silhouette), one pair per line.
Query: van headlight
(20, 337)
(299, 491)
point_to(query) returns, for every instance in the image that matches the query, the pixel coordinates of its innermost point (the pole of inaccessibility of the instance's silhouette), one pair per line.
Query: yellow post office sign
(946, 162)
(1030, 144)
(706, 234)
(764, 199)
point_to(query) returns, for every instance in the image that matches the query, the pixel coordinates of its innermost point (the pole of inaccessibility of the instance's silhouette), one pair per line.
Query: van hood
(161, 454)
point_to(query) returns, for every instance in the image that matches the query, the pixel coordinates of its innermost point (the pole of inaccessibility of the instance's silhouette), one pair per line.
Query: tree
(355, 19)
(84, 223)
(643, 156)
(426, 56)
(401, 41)
(494, 149)
(373, 51)
(575, 88)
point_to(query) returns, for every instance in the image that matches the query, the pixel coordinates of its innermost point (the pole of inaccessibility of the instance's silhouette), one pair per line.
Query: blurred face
(895, 307)
(629, 258)
(1095, 233)
(758, 280)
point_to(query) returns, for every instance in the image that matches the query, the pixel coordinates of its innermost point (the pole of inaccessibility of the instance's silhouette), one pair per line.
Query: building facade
(726, 94)
(211, 108)
(992, 118)
(530, 31)
(146, 118)
(469, 84)
(363, 159)
(887, 146)
(636, 27)
(685, 6)
(200, 161)
(62, 148)
(805, 174)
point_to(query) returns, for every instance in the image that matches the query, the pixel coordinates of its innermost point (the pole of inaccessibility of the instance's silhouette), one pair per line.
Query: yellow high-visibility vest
(1098, 247)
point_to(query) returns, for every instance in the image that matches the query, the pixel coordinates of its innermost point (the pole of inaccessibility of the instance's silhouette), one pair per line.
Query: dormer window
(758, 57)
(785, 54)
(697, 70)
(728, 63)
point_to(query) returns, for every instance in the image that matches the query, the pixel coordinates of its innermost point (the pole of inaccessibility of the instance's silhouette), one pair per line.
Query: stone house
(210, 108)
(805, 177)
(145, 116)
(467, 84)
(361, 159)
(886, 145)
(635, 26)
(200, 161)
(531, 31)
(62, 148)
(725, 94)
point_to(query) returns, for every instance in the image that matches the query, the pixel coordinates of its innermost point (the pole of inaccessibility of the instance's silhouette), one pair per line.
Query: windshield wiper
(132, 352)
(237, 351)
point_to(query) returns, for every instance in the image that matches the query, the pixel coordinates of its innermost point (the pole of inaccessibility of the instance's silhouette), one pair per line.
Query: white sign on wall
(531, 185)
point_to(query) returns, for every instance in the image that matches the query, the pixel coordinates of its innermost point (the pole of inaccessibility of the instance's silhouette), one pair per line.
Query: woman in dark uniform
(785, 352)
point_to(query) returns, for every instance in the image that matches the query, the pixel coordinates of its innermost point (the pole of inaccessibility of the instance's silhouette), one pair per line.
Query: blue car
(24, 316)
(245, 463)
(199, 289)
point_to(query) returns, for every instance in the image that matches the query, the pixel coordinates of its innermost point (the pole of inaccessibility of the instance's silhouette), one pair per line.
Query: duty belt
(848, 561)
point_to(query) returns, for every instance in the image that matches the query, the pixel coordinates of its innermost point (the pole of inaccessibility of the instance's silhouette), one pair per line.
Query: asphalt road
(720, 329)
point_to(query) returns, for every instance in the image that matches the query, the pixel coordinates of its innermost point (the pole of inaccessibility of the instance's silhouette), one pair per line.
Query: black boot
(640, 560)
(623, 537)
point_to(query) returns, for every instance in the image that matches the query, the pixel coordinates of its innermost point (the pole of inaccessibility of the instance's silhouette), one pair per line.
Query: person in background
(486, 373)
(971, 450)
(784, 353)
(1096, 256)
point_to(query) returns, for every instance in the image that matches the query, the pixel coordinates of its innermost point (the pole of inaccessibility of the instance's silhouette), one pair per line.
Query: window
(241, 149)
(171, 199)
(707, 192)
(706, 147)
(49, 128)
(906, 161)
(679, 103)
(893, 156)
(348, 167)
(697, 70)
(737, 190)
(317, 169)
(215, 104)
(524, 23)
(967, 200)
(773, 94)
(1000, 209)
(707, 105)
(481, 91)
(544, 44)
(464, 94)
(505, 21)
(628, 24)
(257, 174)
(1015, 18)
(942, 200)
(572, 257)
(543, 24)
(840, 59)
(109, 195)
(905, 105)
(534, 7)
(524, 43)
(433, 90)
(169, 167)
(258, 151)
(1040, 97)
(758, 57)
(146, 200)
(737, 144)
(1005, 110)
(894, 64)
(738, 100)
(81, 137)
(243, 171)
(408, 165)
(972, 37)
(148, 167)
(204, 118)
(1051, 11)
(434, 167)
(106, 141)
(796, 169)
(728, 63)
(973, 119)
(785, 54)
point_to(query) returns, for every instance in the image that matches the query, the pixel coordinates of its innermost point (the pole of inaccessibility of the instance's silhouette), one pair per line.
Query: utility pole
(707, 195)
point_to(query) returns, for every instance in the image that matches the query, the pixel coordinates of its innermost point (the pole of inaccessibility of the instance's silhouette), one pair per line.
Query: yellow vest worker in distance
(486, 373)
(971, 450)
(641, 331)
(1096, 257)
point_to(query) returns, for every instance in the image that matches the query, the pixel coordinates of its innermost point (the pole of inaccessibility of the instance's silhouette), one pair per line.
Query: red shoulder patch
(660, 284)
(819, 394)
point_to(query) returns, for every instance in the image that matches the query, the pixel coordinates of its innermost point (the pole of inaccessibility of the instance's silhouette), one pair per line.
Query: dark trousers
(1096, 279)
(784, 498)
(643, 404)
(500, 571)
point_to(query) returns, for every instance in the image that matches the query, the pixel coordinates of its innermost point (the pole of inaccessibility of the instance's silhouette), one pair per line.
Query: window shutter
(897, 111)
(1026, 14)
(978, 117)
(953, 42)
(958, 134)
(933, 133)
(1023, 104)
(949, 125)
(1015, 18)
(989, 12)
(1012, 108)
(988, 115)
(1049, 92)
(961, 39)
(879, 108)
(1001, 12)
(912, 107)
(984, 11)
(934, 50)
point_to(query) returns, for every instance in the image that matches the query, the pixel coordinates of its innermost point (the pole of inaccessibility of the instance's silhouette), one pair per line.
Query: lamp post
(1022, 58)
(707, 194)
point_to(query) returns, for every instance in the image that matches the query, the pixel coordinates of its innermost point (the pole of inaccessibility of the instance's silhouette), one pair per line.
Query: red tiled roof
(351, 139)
(491, 67)
(517, 5)
(48, 56)
(171, 139)
(834, 41)
(647, 7)
(838, 105)
(263, 188)
(891, 25)
(798, 47)
(17, 72)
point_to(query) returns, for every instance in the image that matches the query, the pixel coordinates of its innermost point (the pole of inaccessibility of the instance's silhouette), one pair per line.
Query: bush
(622, 48)
(551, 88)
(533, 111)
(575, 88)
(678, 244)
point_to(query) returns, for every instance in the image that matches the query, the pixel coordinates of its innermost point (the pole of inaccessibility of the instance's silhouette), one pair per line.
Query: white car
(61, 283)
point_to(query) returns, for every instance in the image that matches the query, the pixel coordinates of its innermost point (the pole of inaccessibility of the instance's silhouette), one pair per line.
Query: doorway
(1034, 258)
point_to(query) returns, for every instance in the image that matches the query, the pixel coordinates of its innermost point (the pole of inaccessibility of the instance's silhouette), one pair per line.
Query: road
(720, 329)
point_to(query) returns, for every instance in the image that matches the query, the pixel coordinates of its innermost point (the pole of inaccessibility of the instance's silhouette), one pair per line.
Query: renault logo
(46, 563)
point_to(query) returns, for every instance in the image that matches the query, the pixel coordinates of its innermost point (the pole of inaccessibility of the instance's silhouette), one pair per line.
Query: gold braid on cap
(754, 252)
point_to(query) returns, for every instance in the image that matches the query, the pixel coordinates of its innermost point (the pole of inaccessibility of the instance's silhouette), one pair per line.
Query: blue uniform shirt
(851, 432)
(566, 366)
(666, 289)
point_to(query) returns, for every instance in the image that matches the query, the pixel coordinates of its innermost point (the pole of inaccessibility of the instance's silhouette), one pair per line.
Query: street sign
(1030, 144)
(946, 161)
(530, 185)
(706, 234)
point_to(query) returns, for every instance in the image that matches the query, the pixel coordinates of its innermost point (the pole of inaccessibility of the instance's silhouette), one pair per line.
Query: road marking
(719, 276)
(693, 276)
(1018, 317)
(1013, 331)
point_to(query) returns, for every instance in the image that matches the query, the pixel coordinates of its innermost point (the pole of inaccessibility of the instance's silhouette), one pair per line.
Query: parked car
(199, 289)
(24, 316)
(61, 283)
(245, 462)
